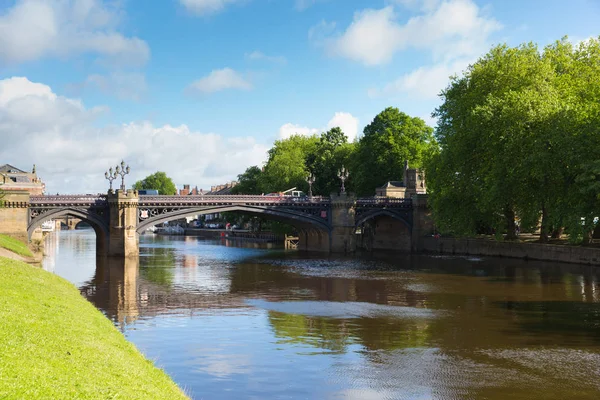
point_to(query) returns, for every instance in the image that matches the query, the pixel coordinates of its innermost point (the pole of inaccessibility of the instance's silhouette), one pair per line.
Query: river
(241, 322)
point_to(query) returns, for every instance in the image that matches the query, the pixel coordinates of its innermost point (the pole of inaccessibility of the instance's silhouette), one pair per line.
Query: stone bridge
(329, 224)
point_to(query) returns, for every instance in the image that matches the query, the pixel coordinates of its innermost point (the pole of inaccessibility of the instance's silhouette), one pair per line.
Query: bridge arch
(382, 212)
(296, 218)
(98, 224)
(384, 229)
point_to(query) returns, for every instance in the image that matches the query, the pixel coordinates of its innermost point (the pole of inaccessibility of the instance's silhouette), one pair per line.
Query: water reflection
(235, 322)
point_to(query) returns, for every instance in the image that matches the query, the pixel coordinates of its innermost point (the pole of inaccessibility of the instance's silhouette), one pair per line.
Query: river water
(242, 322)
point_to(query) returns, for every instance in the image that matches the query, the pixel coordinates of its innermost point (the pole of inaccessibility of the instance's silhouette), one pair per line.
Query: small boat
(48, 226)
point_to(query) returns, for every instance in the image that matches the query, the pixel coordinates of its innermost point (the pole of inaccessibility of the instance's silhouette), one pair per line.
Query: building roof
(390, 184)
(7, 168)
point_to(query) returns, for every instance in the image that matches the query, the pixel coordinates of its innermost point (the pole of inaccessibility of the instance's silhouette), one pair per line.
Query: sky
(200, 89)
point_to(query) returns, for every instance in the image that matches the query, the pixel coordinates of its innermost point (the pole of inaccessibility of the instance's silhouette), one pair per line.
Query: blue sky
(201, 88)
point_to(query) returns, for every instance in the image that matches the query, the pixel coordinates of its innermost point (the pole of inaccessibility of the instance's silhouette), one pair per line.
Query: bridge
(340, 223)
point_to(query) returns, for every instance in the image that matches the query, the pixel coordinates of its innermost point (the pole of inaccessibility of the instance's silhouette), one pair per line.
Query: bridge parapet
(237, 199)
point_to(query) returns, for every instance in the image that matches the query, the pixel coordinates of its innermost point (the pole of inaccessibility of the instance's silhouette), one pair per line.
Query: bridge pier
(422, 221)
(123, 240)
(343, 210)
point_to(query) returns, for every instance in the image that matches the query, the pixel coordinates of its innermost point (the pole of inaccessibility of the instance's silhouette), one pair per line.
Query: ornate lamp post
(122, 170)
(310, 179)
(110, 176)
(343, 175)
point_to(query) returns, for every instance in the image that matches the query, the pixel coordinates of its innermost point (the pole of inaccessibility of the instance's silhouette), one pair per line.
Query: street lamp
(343, 175)
(110, 176)
(122, 170)
(310, 180)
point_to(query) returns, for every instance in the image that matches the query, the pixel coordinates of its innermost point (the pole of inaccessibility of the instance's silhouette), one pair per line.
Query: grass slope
(14, 245)
(54, 344)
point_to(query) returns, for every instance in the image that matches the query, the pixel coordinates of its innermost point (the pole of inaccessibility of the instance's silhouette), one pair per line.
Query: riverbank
(522, 250)
(17, 250)
(54, 344)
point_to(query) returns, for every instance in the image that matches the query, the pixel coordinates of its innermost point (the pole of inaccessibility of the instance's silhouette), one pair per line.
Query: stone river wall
(531, 251)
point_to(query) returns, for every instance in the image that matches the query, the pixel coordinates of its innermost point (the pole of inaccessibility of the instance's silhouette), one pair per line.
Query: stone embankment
(527, 251)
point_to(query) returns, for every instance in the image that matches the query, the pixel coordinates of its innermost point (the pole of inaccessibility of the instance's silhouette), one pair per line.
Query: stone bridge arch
(314, 229)
(97, 222)
(385, 229)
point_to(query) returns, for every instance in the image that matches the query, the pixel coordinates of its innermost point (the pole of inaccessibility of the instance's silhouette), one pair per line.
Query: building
(187, 192)
(13, 178)
(222, 190)
(413, 183)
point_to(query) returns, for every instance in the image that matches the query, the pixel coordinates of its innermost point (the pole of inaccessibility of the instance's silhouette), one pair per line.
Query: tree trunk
(587, 237)
(511, 233)
(544, 226)
(557, 233)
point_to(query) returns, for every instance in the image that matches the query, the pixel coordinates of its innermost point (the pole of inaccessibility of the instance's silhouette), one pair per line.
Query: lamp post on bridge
(110, 176)
(343, 175)
(310, 179)
(122, 170)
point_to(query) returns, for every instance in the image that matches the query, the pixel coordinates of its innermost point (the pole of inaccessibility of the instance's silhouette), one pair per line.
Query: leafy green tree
(286, 166)
(249, 182)
(389, 140)
(158, 181)
(516, 130)
(332, 152)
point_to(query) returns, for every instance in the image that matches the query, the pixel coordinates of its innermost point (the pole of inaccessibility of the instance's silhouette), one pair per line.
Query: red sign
(323, 214)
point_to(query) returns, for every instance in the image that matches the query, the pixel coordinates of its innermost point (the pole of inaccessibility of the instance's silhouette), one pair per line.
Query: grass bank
(54, 344)
(14, 245)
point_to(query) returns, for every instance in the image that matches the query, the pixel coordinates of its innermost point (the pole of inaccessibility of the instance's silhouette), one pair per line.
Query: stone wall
(532, 251)
(14, 214)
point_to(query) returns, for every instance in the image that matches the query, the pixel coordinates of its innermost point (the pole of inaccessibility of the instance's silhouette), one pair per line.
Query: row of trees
(517, 142)
(390, 139)
(519, 133)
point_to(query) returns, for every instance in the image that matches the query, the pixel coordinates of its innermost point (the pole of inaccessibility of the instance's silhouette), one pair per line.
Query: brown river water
(235, 321)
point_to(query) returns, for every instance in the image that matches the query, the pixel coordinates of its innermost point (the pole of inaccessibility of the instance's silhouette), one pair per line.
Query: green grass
(54, 344)
(14, 245)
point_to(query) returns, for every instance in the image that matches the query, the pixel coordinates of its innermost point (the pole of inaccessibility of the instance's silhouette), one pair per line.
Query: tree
(516, 130)
(389, 140)
(286, 166)
(158, 181)
(249, 182)
(332, 152)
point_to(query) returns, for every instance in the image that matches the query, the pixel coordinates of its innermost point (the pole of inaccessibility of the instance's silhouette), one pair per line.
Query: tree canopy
(249, 182)
(519, 136)
(392, 138)
(158, 181)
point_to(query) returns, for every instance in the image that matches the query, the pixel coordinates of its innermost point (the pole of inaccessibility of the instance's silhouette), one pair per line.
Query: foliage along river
(246, 323)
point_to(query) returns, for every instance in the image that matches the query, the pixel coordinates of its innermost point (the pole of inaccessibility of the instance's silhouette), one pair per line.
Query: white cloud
(424, 82)
(60, 136)
(260, 56)
(220, 79)
(126, 86)
(206, 7)
(33, 29)
(346, 121)
(448, 29)
(290, 129)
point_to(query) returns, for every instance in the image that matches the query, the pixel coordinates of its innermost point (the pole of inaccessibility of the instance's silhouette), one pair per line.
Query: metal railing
(204, 199)
(68, 199)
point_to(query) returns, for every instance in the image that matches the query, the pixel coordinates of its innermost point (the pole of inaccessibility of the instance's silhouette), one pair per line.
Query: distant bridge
(324, 223)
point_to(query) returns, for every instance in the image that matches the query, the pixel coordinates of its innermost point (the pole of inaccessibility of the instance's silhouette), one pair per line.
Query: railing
(203, 199)
(378, 200)
(68, 199)
(195, 199)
